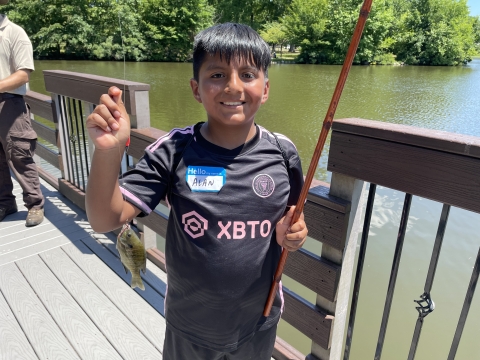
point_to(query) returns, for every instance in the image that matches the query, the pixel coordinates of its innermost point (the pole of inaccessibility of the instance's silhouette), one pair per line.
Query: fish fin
(137, 281)
(144, 267)
(126, 269)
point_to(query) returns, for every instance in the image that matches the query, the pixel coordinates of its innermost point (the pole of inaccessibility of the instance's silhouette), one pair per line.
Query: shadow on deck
(65, 295)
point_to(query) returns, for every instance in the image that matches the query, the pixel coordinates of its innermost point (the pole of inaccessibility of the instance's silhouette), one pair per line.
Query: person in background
(17, 137)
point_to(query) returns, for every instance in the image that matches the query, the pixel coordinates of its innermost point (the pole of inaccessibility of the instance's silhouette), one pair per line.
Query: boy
(228, 185)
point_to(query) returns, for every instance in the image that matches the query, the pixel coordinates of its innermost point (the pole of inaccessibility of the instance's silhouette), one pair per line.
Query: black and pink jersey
(221, 250)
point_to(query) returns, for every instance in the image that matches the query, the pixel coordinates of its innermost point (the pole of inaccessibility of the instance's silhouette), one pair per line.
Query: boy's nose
(234, 84)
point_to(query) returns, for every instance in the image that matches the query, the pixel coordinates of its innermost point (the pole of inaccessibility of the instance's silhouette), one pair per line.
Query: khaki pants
(17, 147)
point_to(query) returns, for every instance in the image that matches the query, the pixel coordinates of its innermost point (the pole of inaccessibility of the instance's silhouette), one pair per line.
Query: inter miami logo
(195, 224)
(263, 185)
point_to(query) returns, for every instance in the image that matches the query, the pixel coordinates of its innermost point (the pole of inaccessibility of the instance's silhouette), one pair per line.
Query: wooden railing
(431, 164)
(439, 166)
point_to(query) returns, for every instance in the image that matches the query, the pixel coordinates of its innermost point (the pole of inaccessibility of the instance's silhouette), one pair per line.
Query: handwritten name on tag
(205, 178)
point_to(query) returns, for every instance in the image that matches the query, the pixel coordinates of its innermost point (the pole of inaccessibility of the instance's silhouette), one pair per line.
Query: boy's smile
(230, 93)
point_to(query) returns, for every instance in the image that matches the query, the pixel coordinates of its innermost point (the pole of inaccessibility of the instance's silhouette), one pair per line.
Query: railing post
(142, 110)
(87, 110)
(352, 190)
(63, 149)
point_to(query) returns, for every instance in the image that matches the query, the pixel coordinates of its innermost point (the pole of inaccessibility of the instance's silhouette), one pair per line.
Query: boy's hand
(291, 239)
(109, 124)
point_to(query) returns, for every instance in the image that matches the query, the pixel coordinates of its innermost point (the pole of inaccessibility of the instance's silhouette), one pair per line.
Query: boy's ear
(196, 93)
(266, 90)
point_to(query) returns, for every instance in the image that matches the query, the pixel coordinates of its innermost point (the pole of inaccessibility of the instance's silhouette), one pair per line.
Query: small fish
(132, 255)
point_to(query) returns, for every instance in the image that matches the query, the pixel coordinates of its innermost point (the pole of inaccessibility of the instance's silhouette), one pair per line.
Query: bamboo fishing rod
(327, 124)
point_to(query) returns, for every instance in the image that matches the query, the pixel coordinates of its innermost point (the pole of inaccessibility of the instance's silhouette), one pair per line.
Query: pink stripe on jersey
(280, 136)
(280, 288)
(140, 204)
(156, 144)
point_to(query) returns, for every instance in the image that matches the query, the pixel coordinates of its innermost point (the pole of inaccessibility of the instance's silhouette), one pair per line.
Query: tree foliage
(274, 33)
(305, 24)
(111, 29)
(424, 32)
(436, 32)
(255, 13)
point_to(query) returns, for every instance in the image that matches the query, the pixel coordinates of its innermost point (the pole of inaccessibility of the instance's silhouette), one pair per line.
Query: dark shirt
(221, 249)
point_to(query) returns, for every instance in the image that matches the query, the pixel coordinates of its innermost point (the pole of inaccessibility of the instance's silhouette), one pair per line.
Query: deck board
(151, 294)
(81, 305)
(147, 319)
(14, 343)
(155, 277)
(41, 330)
(40, 247)
(64, 293)
(121, 333)
(82, 333)
(35, 235)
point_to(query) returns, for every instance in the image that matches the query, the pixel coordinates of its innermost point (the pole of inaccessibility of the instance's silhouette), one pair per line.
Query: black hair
(231, 40)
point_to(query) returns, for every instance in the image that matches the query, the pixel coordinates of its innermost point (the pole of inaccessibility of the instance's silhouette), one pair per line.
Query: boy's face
(230, 93)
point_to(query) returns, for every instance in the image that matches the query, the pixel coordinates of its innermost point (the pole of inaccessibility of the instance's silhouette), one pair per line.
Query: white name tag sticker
(205, 178)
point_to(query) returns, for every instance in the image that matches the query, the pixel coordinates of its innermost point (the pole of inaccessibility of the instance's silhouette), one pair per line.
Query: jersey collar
(250, 144)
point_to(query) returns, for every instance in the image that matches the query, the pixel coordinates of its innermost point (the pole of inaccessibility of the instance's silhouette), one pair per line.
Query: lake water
(442, 98)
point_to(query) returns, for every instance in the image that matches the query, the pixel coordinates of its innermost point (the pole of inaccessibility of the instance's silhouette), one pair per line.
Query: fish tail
(137, 281)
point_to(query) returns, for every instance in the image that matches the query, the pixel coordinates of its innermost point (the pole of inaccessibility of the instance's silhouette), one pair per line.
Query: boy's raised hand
(109, 124)
(291, 238)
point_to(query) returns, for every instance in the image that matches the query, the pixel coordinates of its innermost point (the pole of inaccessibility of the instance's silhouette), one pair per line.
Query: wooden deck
(64, 293)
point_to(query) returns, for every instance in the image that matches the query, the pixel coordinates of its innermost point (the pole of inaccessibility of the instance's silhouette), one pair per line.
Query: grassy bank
(286, 57)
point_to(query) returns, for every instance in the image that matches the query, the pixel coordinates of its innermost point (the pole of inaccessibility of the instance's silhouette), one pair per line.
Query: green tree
(476, 33)
(274, 34)
(328, 37)
(304, 22)
(255, 13)
(84, 29)
(436, 32)
(169, 26)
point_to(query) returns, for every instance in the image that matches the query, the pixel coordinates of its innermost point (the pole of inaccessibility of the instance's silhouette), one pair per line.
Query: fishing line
(126, 225)
(123, 52)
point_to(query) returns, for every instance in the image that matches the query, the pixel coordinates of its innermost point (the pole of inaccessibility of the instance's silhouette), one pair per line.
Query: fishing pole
(327, 124)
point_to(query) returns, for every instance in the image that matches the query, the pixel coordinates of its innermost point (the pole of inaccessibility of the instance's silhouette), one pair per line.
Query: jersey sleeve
(296, 176)
(148, 183)
(295, 172)
(296, 180)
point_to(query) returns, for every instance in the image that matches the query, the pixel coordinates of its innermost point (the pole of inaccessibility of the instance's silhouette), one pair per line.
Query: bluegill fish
(132, 255)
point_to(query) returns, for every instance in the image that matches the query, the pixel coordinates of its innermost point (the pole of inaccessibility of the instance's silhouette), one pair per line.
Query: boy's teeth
(232, 103)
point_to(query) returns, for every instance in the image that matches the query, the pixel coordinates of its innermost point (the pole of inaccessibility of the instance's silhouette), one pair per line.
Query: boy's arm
(109, 129)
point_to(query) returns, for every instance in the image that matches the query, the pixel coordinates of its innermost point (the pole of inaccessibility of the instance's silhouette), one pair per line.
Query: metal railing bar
(66, 138)
(84, 139)
(437, 247)
(465, 309)
(393, 274)
(426, 305)
(77, 173)
(358, 274)
(82, 185)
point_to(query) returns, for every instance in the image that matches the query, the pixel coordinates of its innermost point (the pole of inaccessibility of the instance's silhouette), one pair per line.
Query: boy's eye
(217, 75)
(249, 75)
